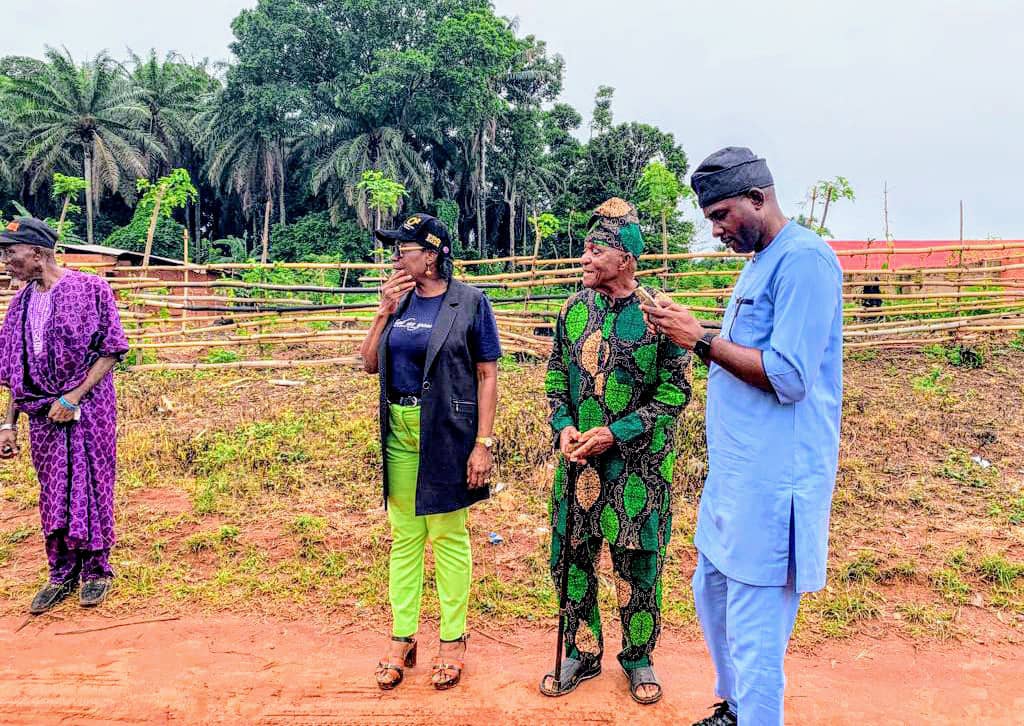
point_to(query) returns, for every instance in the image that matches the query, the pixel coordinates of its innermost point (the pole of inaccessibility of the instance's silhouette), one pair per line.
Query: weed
(842, 607)
(932, 383)
(904, 570)
(1000, 571)
(958, 355)
(864, 567)
(960, 467)
(865, 355)
(948, 583)
(17, 535)
(220, 355)
(924, 620)
(311, 532)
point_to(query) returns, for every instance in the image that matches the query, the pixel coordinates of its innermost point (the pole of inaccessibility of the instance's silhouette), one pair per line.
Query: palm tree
(243, 159)
(169, 89)
(341, 151)
(88, 116)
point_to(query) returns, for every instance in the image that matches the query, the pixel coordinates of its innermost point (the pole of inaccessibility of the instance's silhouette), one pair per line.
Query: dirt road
(218, 669)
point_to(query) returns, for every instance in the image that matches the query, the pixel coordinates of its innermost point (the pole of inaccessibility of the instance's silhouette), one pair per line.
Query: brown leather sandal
(389, 674)
(449, 669)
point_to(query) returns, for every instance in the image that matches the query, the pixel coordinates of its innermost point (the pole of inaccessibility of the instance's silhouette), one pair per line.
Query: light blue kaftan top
(772, 457)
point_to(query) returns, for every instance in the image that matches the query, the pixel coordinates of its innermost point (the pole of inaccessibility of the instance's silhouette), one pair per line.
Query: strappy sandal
(449, 669)
(574, 672)
(643, 677)
(389, 674)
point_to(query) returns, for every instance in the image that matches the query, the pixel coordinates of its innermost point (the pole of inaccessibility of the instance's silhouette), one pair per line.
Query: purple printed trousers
(66, 562)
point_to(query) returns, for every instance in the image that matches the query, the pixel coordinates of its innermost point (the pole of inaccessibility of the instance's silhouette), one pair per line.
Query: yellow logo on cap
(412, 223)
(434, 240)
(13, 226)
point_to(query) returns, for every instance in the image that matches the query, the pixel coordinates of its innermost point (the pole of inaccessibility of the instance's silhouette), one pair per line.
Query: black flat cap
(28, 231)
(729, 172)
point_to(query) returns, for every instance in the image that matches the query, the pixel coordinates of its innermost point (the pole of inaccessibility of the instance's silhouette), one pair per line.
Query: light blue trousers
(747, 629)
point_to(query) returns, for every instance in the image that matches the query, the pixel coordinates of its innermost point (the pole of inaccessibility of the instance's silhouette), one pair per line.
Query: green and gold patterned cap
(615, 224)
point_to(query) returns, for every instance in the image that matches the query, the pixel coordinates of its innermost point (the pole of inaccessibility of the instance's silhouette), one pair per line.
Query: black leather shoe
(52, 595)
(94, 591)
(721, 717)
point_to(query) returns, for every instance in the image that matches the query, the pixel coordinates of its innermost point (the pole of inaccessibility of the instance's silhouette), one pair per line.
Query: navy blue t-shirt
(410, 336)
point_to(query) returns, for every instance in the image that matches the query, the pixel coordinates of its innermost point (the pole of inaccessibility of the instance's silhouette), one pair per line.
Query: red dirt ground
(226, 669)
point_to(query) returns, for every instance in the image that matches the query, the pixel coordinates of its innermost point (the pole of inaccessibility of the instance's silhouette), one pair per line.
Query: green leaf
(618, 391)
(591, 415)
(577, 584)
(576, 321)
(610, 524)
(641, 627)
(634, 496)
(630, 325)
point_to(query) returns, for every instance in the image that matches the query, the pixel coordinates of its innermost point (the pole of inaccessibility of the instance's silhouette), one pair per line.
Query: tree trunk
(152, 227)
(824, 213)
(266, 230)
(664, 248)
(88, 194)
(814, 200)
(481, 222)
(280, 186)
(512, 225)
(63, 214)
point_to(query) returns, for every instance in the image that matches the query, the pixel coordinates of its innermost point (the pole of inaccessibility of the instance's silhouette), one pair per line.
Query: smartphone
(646, 297)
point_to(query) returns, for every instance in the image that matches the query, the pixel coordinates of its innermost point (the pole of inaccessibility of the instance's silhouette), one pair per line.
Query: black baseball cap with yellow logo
(423, 229)
(28, 231)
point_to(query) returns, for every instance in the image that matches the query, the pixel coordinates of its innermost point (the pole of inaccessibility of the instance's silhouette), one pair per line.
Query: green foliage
(546, 224)
(659, 190)
(932, 382)
(384, 193)
(960, 466)
(314, 235)
(957, 355)
(168, 239)
(70, 186)
(220, 355)
(173, 191)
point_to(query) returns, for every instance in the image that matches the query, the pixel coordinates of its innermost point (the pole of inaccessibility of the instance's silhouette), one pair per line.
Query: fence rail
(262, 322)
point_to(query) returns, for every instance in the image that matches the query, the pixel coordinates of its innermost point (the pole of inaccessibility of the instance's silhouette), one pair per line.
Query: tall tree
(613, 163)
(169, 90)
(601, 119)
(242, 158)
(87, 116)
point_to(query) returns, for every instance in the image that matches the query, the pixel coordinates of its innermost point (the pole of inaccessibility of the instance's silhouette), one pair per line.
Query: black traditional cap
(28, 231)
(423, 229)
(729, 172)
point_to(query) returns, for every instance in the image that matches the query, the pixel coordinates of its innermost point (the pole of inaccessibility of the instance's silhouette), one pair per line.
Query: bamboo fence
(226, 322)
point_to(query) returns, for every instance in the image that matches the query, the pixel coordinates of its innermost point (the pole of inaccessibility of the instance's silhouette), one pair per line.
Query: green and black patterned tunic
(607, 369)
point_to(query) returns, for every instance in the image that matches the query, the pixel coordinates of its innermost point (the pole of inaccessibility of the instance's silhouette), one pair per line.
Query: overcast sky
(925, 96)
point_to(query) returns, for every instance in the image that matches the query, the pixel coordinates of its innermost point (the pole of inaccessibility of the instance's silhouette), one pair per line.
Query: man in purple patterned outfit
(60, 340)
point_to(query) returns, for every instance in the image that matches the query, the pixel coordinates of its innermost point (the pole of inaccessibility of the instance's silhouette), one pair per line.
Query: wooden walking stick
(572, 472)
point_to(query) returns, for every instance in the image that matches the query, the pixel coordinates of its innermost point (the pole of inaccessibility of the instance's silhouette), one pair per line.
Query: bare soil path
(228, 669)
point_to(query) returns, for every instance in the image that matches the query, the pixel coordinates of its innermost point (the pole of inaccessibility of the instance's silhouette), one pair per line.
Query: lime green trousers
(447, 533)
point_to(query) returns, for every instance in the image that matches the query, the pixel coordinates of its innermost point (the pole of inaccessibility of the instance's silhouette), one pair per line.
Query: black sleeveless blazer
(448, 413)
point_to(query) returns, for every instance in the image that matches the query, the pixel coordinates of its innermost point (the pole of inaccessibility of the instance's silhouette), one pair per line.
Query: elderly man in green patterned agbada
(615, 391)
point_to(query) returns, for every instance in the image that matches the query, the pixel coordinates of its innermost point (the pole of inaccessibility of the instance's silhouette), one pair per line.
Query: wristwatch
(702, 347)
(487, 441)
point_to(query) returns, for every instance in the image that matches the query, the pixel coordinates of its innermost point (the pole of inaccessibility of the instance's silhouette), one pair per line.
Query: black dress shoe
(721, 717)
(94, 591)
(52, 595)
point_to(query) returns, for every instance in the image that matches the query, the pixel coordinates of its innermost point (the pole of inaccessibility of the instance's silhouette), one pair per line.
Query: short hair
(445, 267)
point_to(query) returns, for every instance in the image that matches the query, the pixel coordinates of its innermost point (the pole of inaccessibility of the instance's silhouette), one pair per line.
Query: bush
(168, 239)
(315, 235)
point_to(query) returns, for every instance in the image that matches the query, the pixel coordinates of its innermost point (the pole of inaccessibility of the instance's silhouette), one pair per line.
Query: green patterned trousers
(637, 588)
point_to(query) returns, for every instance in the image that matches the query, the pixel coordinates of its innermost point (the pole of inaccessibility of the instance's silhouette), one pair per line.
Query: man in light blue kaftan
(773, 409)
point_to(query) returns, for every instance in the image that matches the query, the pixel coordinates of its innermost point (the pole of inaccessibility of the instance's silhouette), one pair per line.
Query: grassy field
(240, 494)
